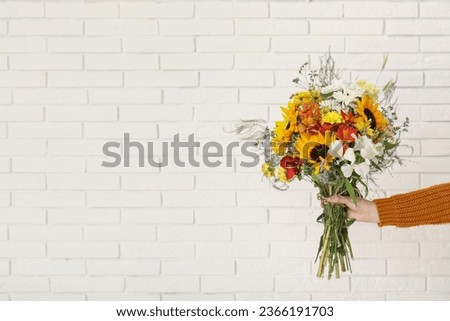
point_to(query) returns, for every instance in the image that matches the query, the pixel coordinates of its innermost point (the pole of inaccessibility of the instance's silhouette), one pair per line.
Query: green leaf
(350, 190)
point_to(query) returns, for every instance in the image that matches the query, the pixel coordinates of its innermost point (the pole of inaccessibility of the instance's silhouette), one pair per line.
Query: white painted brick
(417, 27)
(44, 130)
(425, 95)
(418, 267)
(46, 27)
(47, 267)
(45, 233)
(22, 147)
(417, 233)
(3, 237)
(307, 9)
(269, 60)
(24, 284)
(197, 267)
(119, 233)
(368, 267)
(201, 96)
(265, 95)
(293, 283)
(82, 182)
(4, 268)
(81, 10)
(79, 147)
(381, 44)
(437, 78)
(48, 164)
(21, 10)
(273, 296)
(161, 216)
(25, 249)
(22, 45)
(273, 198)
(158, 44)
(273, 267)
(87, 284)
(434, 249)
(5, 96)
(122, 297)
(376, 10)
(196, 27)
(156, 250)
(156, 113)
(232, 249)
(428, 180)
(346, 27)
(198, 199)
(157, 182)
(48, 199)
(196, 61)
(121, 62)
(231, 10)
(404, 78)
(121, 27)
(307, 44)
(83, 216)
(417, 296)
(81, 113)
(5, 165)
(5, 199)
(293, 216)
(226, 181)
(156, 10)
(270, 27)
(48, 297)
(163, 284)
(438, 284)
(434, 9)
(122, 267)
(196, 296)
(117, 130)
(161, 79)
(84, 79)
(435, 44)
(75, 249)
(436, 113)
(237, 284)
(3, 62)
(236, 78)
(349, 296)
(230, 216)
(21, 113)
(3, 28)
(388, 284)
(124, 96)
(45, 62)
(84, 44)
(269, 233)
(22, 79)
(233, 112)
(194, 233)
(123, 199)
(232, 44)
(23, 216)
(49, 96)
(385, 249)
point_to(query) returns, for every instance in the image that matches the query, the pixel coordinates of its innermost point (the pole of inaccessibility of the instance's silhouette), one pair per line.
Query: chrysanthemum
(370, 112)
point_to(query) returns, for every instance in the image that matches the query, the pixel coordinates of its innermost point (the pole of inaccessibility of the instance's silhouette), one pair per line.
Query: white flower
(348, 94)
(335, 86)
(361, 169)
(367, 148)
(336, 149)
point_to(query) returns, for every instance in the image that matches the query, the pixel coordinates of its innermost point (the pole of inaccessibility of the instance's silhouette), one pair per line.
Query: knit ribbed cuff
(386, 212)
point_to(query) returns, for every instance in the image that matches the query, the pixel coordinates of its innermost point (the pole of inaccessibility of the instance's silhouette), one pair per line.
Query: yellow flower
(332, 117)
(363, 126)
(312, 147)
(290, 113)
(369, 89)
(306, 97)
(267, 170)
(280, 173)
(370, 112)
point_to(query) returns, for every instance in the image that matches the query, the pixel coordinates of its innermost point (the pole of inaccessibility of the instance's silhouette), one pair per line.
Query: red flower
(348, 118)
(327, 127)
(345, 133)
(291, 165)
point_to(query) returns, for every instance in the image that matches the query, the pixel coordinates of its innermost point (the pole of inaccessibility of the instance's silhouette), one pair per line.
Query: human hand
(364, 211)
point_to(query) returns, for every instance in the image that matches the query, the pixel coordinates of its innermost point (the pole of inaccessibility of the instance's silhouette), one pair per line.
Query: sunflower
(314, 148)
(370, 112)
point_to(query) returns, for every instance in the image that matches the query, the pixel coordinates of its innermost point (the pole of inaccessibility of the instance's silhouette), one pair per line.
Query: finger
(352, 214)
(341, 200)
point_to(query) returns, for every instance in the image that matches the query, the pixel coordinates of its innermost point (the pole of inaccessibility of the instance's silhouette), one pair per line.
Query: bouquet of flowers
(336, 134)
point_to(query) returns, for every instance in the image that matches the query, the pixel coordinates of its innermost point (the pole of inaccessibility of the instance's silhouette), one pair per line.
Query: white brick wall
(75, 74)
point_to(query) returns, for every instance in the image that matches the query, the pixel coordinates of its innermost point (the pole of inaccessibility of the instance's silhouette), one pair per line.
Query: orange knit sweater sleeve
(426, 206)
